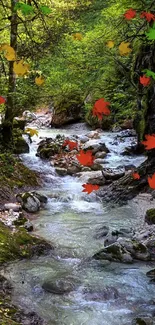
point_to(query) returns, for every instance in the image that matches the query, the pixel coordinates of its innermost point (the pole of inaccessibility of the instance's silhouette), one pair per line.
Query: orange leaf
(85, 158)
(89, 188)
(150, 141)
(151, 181)
(147, 15)
(145, 81)
(136, 175)
(72, 145)
(100, 108)
(130, 14)
(2, 100)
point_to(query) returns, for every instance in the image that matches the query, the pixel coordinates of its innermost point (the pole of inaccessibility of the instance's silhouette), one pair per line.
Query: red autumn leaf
(151, 181)
(2, 100)
(148, 16)
(136, 175)
(130, 14)
(89, 188)
(85, 158)
(100, 108)
(150, 141)
(72, 145)
(145, 81)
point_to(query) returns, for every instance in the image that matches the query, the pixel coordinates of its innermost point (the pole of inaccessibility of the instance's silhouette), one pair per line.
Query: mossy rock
(21, 146)
(150, 216)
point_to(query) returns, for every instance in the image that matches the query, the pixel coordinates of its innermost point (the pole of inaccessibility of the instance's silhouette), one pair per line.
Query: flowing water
(69, 221)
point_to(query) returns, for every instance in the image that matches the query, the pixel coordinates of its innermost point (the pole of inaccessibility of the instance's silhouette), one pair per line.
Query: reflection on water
(104, 293)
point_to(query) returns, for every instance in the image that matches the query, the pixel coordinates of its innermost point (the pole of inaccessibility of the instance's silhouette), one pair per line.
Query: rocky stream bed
(101, 270)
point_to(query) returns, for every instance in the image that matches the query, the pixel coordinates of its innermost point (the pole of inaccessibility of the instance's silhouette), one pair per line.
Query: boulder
(83, 138)
(29, 202)
(95, 146)
(59, 286)
(93, 135)
(93, 177)
(61, 171)
(20, 146)
(29, 116)
(113, 173)
(150, 216)
(114, 252)
(143, 320)
(101, 232)
(102, 294)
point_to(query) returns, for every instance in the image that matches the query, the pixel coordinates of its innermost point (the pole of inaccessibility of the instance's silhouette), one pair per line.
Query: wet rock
(16, 207)
(95, 146)
(41, 197)
(93, 135)
(20, 146)
(86, 169)
(92, 177)
(29, 202)
(114, 252)
(103, 294)
(83, 138)
(101, 232)
(28, 226)
(59, 286)
(96, 166)
(144, 320)
(29, 116)
(110, 239)
(150, 216)
(61, 171)
(127, 124)
(101, 154)
(151, 274)
(71, 170)
(113, 173)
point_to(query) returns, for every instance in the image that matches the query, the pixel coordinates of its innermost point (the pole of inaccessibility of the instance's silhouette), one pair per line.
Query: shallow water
(69, 221)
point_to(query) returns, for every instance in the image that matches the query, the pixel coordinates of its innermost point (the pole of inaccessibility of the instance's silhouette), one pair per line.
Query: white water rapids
(69, 220)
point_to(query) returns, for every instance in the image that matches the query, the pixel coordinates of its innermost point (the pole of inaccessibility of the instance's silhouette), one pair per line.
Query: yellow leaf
(110, 44)
(39, 81)
(10, 53)
(124, 48)
(31, 132)
(20, 68)
(77, 36)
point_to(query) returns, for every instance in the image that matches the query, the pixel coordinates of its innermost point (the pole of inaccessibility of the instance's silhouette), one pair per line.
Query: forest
(77, 162)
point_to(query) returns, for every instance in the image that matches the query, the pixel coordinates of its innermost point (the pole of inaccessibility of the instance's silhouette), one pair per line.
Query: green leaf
(25, 9)
(151, 34)
(149, 73)
(45, 10)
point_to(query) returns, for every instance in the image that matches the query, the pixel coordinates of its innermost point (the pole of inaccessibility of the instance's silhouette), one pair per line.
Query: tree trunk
(7, 125)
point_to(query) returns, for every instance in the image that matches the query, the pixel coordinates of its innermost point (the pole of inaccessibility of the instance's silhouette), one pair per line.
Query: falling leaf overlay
(45, 10)
(85, 158)
(124, 48)
(24, 8)
(100, 108)
(145, 81)
(39, 81)
(77, 36)
(10, 53)
(136, 175)
(89, 188)
(149, 73)
(110, 44)
(2, 100)
(151, 181)
(151, 34)
(31, 132)
(148, 16)
(71, 144)
(150, 142)
(20, 68)
(130, 14)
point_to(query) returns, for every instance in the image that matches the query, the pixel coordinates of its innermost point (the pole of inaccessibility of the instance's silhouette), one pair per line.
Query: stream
(104, 293)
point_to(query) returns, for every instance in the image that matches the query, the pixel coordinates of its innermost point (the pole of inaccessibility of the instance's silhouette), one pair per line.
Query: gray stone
(28, 226)
(101, 154)
(61, 171)
(16, 207)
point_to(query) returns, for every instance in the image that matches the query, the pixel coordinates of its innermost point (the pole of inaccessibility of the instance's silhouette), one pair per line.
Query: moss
(150, 216)
(19, 244)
